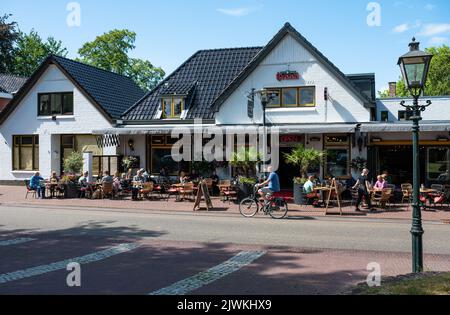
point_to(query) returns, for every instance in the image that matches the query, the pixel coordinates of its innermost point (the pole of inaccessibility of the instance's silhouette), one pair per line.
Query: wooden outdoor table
(329, 190)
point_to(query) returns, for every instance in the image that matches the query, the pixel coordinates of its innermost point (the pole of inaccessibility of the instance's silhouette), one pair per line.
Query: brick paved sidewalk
(15, 195)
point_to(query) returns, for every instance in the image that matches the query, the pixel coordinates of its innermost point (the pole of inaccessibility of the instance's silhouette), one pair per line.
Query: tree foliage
(31, 51)
(438, 82)
(110, 52)
(304, 158)
(8, 36)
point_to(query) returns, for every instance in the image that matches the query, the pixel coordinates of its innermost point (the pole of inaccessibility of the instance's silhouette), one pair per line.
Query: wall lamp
(131, 144)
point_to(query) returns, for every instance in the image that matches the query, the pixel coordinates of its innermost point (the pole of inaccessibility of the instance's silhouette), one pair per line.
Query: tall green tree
(110, 52)
(8, 36)
(31, 51)
(438, 82)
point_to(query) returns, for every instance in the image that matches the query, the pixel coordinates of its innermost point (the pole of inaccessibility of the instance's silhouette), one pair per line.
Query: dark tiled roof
(114, 93)
(205, 75)
(11, 84)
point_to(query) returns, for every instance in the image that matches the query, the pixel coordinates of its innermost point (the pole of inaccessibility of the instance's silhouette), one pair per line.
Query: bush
(73, 163)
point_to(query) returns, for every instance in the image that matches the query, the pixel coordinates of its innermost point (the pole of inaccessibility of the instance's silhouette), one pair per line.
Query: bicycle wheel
(248, 207)
(278, 209)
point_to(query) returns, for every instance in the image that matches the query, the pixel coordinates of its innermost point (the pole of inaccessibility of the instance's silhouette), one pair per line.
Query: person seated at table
(310, 194)
(387, 177)
(36, 183)
(380, 184)
(117, 185)
(183, 178)
(85, 186)
(107, 178)
(53, 183)
(138, 181)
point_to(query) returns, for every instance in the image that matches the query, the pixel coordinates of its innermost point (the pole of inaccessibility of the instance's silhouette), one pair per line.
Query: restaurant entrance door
(287, 172)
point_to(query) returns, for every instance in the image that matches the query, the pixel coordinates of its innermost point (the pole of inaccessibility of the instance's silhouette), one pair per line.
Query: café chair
(29, 190)
(107, 190)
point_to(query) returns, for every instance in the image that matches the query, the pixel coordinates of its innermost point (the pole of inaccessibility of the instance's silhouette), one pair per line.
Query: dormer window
(172, 107)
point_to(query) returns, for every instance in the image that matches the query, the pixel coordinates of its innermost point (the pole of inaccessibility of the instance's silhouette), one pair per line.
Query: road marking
(16, 241)
(193, 283)
(90, 258)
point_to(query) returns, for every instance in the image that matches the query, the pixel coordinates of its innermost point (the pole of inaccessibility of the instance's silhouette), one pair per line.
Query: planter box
(71, 191)
(298, 194)
(244, 191)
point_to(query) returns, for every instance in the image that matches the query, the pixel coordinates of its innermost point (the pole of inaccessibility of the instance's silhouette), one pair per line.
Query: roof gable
(109, 92)
(276, 40)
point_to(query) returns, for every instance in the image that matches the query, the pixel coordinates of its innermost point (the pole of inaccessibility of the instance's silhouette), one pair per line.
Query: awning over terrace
(406, 126)
(283, 129)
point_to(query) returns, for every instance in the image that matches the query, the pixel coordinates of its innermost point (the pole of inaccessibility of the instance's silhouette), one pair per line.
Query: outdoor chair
(439, 188)
(382, 198)
(146, 190)
(187, 190)
(407, 191)
(107, 190)
(29, 190)
(170, 191)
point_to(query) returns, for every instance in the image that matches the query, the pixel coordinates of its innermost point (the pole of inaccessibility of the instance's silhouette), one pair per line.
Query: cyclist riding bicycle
(272, 183)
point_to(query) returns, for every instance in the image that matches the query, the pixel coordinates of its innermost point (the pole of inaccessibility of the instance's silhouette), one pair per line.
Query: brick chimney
(392, 89)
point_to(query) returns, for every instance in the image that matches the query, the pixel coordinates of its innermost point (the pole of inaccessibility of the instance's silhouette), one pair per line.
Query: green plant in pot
(245, 161)
(73, 165)
(304, 159)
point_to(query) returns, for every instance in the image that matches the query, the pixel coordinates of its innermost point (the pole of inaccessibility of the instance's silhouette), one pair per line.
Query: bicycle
(277, 208)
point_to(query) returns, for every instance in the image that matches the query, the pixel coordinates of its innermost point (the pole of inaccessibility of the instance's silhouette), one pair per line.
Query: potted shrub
(73, 165)
(304, 159)
(245, 161)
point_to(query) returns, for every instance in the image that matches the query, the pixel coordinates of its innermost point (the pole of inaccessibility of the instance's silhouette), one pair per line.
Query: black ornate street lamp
(415, 66)
(266, 98)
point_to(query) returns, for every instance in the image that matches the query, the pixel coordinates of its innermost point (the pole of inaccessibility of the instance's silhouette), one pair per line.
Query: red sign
(291, 139)
(288, 75)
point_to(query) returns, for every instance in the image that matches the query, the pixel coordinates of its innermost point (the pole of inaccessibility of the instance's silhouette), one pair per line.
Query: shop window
(276, 98)
(172, 108)
(293, 97)
(162, 157)
(26, 153)
(55, 104)
(100, 164)
(438, 164)
(337, 161)
(290, 97)
(307, 96)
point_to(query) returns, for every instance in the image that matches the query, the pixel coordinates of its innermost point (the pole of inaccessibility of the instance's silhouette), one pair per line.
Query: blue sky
(168, 32)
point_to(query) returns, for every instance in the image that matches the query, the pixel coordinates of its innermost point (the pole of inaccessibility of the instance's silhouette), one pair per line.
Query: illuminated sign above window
(288, 75)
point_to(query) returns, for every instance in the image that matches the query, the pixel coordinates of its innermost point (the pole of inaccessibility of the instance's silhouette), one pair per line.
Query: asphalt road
(125, 252)
(324, 233)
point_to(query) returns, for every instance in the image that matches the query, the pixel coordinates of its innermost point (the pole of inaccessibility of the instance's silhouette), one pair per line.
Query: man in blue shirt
(36, 184)
(272, 183)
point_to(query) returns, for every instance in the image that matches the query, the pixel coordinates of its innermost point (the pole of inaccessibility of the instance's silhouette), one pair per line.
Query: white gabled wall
(24, 121)
(344, 106)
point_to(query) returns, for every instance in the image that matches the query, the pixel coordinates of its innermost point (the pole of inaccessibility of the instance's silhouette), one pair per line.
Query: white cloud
(238, 12)
(438, 40)
(401, 28)
(430, 7)
(435, 29)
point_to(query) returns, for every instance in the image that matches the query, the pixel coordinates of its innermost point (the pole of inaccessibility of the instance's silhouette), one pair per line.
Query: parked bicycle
(276, 207)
